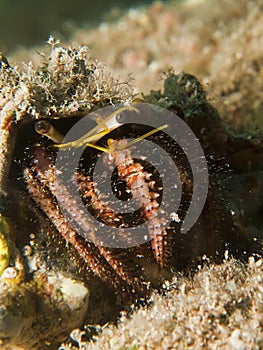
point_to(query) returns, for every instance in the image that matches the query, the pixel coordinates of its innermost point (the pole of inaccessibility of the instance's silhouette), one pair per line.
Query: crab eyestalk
(43, 127)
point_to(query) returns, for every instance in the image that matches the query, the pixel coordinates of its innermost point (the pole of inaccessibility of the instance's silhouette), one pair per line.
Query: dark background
(30, 22)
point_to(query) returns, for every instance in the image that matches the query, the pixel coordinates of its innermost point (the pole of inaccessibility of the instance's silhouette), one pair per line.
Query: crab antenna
(143, 137)
(102, 128)
(113, 146)
(89, 139)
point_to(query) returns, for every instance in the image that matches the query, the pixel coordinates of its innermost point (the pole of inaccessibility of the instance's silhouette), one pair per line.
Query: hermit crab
(53, 259)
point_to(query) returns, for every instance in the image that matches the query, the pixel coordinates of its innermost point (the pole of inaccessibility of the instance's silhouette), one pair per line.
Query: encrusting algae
(4, 249)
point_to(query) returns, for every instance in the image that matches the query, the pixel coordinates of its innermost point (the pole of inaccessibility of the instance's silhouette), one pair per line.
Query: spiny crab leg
(52, 210)
(137, 180)
(135, 177)
(41, 185)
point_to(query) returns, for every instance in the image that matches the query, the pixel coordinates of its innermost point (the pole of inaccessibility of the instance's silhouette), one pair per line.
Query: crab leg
(41, 186)
(136, 177)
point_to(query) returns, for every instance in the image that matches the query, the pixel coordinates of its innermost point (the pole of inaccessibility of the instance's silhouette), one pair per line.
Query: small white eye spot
(121, 118)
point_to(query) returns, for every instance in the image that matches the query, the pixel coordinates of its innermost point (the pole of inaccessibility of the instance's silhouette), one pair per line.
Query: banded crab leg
(40, 179)
(134, 175)
(138, 181)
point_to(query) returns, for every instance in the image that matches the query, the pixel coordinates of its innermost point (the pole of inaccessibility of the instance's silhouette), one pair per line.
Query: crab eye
(121, 118)
(42, 127)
